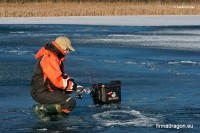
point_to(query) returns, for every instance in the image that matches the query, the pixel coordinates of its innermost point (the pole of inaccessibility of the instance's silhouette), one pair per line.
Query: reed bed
(50, 9)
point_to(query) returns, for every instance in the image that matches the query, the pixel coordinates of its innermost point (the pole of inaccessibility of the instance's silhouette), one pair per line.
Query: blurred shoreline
(153, 20)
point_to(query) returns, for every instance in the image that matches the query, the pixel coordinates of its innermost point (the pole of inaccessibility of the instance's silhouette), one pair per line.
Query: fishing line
(86, 72)
(91, 77)
(94, 75)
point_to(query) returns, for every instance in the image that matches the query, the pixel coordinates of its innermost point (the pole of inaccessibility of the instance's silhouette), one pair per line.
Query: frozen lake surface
(158, 67)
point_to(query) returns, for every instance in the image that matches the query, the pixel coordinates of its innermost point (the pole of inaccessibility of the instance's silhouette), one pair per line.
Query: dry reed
(49, 9)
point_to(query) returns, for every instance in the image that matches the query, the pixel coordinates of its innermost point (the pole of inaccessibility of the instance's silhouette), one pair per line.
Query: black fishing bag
(106, 93)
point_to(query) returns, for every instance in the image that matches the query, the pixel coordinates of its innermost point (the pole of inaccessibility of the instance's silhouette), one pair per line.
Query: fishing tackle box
(106, 93)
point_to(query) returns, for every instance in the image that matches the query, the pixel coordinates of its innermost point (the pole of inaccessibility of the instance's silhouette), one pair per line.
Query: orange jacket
(50, 65)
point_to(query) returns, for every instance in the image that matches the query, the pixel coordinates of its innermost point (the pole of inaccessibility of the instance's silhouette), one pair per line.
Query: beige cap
(64, 43)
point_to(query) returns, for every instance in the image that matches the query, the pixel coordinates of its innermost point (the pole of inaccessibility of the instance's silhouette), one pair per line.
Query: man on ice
(50, 86)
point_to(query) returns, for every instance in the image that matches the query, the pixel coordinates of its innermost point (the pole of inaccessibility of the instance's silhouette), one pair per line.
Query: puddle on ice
(125, 118)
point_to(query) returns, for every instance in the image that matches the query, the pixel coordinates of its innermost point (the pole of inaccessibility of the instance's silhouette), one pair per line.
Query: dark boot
(48, 112)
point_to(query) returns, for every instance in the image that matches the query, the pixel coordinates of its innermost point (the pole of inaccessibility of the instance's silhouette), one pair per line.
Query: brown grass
(49, 9)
